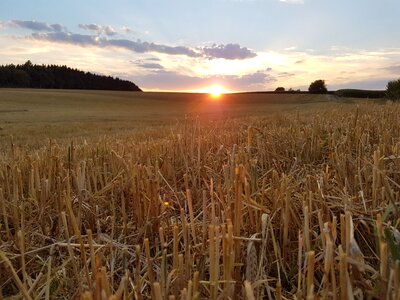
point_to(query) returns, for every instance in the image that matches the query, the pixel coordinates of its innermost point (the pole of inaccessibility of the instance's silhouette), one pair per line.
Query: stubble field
(173, 196)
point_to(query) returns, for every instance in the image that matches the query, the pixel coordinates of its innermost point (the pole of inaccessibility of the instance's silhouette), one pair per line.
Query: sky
(192, 45)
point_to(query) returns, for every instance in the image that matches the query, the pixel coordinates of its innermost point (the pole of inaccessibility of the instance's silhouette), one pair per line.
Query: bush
(393, 90)
(318, 87)
(280, 89)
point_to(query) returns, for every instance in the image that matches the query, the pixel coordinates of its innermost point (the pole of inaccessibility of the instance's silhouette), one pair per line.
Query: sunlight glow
(216, 91)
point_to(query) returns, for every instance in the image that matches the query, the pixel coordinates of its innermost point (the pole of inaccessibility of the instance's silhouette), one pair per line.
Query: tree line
(29, 75)
(316, 87)
(392, 91)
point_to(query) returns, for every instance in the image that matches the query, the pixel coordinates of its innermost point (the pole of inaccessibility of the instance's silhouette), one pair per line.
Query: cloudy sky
(190, 45)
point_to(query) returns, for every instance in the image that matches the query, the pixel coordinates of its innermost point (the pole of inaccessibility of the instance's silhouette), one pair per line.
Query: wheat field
(300, 204)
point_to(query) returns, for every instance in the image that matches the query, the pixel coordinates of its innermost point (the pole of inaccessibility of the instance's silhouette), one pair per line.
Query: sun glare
(216, 91)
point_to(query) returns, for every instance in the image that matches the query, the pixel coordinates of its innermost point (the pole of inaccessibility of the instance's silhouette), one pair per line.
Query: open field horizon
(34, 115)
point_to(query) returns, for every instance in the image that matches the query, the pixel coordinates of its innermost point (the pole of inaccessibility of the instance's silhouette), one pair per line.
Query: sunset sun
(216, 91)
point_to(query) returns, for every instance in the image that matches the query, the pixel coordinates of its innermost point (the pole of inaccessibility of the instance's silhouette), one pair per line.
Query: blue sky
(191, 45)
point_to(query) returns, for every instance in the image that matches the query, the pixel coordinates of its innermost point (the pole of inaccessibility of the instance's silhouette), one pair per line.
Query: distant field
(32, 116)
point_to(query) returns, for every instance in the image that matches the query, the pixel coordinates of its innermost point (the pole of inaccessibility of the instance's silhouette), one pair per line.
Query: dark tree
(318, 87)
(280, 89)
(393, 90)
(59, 77)
(20, 78)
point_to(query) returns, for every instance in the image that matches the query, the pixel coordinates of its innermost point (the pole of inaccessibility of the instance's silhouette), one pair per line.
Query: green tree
(280, 89)
(393, 90)
(318, 87)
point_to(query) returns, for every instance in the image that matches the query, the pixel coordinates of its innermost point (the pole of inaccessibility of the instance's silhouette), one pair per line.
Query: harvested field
(301, 203)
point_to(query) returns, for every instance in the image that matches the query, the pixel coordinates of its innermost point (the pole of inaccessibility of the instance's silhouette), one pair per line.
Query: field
(110, 195)
(34, 116)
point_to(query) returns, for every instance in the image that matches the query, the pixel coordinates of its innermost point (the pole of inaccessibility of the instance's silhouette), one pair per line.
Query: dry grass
(34, 116)
(294, 206)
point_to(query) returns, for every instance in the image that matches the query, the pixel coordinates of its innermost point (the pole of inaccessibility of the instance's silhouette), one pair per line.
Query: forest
(30, 75)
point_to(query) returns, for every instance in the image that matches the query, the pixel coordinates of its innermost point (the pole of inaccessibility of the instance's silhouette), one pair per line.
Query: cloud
(35, 26)
(101, 37)
(91, 40)
(170, 80)
(394, 69)
(65, 37)
(151, 66)
(371, 84)
(150, 63)
(250, 81)
(126, 29)
(98, 29)
(143, 47)
(153, 59)
(285, 74)
(228, 51)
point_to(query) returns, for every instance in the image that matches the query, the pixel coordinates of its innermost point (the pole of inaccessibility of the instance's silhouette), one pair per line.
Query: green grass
(33, 116)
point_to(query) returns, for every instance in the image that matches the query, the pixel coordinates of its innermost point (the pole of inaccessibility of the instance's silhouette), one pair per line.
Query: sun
(216, 91)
